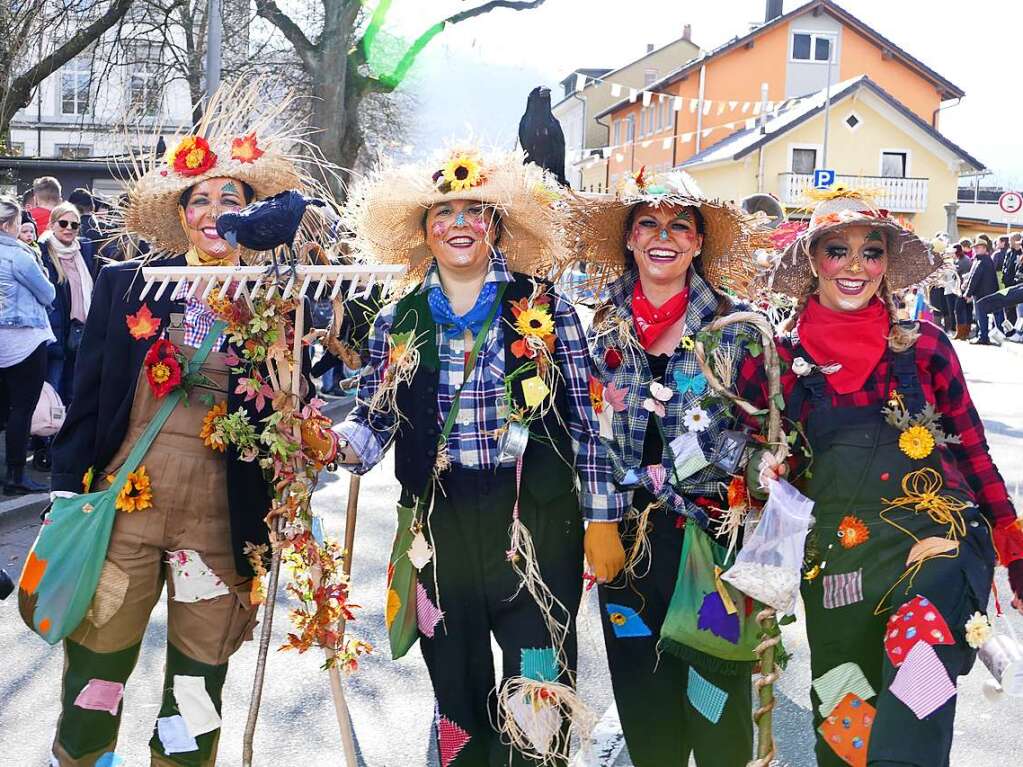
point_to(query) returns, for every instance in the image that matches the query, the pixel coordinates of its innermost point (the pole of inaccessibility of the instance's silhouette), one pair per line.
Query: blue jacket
(25, 291)
(60, 309)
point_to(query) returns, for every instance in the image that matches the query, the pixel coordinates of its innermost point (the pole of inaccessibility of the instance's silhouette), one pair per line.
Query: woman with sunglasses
(69, 264)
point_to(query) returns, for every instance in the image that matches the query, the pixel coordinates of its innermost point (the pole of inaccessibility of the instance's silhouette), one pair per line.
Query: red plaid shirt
(967, 464)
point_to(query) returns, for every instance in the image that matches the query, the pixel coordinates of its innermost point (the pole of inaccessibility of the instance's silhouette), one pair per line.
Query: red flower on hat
(192, 156)
(787, 233)
(245, 149)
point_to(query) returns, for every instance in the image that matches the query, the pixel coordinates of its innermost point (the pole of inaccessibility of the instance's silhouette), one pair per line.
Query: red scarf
(651, 322)
(857, 340)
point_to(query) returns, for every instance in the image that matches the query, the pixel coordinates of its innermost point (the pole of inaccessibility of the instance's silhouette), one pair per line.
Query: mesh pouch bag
(769, 565)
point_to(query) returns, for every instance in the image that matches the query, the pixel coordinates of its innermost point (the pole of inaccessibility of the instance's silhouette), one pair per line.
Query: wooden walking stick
(770, 634)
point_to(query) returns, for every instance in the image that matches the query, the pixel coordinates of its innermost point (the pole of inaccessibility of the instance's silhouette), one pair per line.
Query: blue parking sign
(822, 178)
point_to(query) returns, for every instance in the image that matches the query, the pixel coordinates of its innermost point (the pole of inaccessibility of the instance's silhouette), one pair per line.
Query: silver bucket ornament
(1002, 655)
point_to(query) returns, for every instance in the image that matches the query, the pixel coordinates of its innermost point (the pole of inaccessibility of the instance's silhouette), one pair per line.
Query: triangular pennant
(647, 95)
(677, 104)
(732, 105)
(616, 90)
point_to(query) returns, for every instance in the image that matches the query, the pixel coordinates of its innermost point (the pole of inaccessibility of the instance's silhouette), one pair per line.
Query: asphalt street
(392, 703)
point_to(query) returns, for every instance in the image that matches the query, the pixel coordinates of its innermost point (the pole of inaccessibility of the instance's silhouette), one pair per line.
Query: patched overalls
(887, 639)
(184, 539)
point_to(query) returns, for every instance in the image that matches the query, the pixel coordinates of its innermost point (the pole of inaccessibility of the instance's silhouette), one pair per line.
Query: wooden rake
(312, 281)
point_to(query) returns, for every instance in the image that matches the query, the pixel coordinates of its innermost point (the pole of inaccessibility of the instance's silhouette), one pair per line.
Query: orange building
(790, 55)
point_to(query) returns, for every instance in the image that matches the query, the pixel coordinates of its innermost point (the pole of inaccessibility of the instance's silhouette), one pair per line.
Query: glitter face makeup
(850, 264)
(207, 201)
(664, 241)
(460, 234)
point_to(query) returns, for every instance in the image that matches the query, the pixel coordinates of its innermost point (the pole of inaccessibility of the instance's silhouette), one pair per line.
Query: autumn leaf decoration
(142, 325)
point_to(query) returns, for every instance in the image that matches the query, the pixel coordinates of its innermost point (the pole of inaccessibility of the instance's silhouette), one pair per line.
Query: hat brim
(596, 235)
(910, 260)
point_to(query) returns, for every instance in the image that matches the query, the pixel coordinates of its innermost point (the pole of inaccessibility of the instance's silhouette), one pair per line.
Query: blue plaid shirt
(634, 375)
(482, 406)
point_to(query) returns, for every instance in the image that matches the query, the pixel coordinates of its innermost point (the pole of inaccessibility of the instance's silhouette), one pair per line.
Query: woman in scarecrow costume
(909, 509)
(479, 378)
(190, 510)
(673, 254)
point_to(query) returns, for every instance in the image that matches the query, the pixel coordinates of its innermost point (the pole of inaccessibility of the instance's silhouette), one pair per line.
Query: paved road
(391, 702)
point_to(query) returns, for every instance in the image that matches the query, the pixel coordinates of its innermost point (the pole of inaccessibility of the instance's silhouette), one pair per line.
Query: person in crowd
(89, 231)
(27, 232)
(480, 379)
(909, 509)
(964, 312)
(68, 262)
(955, 313)
(1000, 251)
(1012, 275)
(46, 195)
(197, 507)
(980, 282)
(671, 252)
(28, 201)
(25, 295)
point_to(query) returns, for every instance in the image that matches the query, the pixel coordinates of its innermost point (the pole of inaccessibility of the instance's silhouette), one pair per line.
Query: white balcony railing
(901, 195)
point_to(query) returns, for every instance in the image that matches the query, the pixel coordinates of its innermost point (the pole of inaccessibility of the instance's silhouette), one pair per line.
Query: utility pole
(214, 38)
(827, 106)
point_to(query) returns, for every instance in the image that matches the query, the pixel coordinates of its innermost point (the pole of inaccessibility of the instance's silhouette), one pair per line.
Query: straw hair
(910, 260)
(386, 211)
(595, 231)
(237, 112)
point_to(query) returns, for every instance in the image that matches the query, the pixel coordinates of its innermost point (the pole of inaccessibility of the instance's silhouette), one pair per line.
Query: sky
(473, 78)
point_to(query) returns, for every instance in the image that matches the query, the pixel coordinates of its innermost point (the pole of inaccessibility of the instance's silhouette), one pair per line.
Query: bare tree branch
(512, 5)
(305, 49)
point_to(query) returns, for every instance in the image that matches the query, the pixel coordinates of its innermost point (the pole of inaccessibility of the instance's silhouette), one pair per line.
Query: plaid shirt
(633, 374)
(199, 318)
(967, 465)
(482, 407)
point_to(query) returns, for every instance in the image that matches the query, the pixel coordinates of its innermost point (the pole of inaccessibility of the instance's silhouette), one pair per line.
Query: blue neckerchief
(472, 320)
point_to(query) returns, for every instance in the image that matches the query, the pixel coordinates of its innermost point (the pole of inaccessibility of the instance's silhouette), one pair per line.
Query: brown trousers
(189, 514)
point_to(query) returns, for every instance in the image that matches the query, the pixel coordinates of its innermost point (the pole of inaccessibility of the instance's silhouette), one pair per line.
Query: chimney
(773, 10)
(687, 32)
(649, 47)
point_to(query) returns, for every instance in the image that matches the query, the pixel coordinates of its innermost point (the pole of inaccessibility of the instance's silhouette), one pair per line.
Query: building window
(642, 121)
(618, 133)
(807, 46)
(630, 128)
(666, 108)
(650, 77)
(659, 113)
(75, 85)
(73, 151)
(143, 83)
(853, 121)
(894, 164)
(804, 160)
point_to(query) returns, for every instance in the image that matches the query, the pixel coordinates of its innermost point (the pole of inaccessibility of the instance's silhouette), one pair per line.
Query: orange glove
(604, 551)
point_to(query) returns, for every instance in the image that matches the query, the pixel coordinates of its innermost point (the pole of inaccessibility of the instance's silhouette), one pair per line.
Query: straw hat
(910, 260)
(595, 230)
(236, 139)
(385, 211)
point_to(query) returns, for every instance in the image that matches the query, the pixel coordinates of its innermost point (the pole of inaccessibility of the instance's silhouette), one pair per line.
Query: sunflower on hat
(462, 171)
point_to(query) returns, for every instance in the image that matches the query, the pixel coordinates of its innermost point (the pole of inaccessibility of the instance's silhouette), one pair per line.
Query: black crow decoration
(266, 224)
(540, 135)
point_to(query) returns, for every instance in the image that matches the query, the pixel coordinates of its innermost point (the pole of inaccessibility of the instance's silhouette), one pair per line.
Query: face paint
(439, 229)
(230, 188)
(850, 267)
(479, 227)
(460, 219)
(664, 234)
(875, 236)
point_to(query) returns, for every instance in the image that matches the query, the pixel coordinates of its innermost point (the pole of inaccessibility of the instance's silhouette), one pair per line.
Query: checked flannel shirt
(944, 386)
(199, 318)
(482, 407)
(633, 374)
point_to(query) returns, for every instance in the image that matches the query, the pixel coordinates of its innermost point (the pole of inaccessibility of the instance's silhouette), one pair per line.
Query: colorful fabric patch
(922, 682)
(174, 735)
(842, 590)
(393, 605)
(916, 621)
(705, 697)
(657, 474)
(110, 759)
(142, 325)
(110, 593)
(538, 720)
(193, 579)
(539, 664)
(834, 685)
(847, 729)
(427, 613)
(100, 695)
(715, 618)
(625, 622)
(451, 738)
(195, 705)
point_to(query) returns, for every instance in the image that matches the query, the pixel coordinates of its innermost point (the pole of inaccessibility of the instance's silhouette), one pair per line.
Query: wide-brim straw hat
(596, 223)
(910, 260)
(241, 137)
(386, 210)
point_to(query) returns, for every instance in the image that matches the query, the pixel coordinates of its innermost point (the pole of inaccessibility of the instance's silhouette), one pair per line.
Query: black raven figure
(540, 135)
(266, 224)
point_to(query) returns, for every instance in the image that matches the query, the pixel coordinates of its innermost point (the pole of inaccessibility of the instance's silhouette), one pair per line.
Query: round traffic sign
(1011, 202)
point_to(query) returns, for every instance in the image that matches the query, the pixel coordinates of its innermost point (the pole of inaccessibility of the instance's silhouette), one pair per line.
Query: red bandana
(856, 340)
(651, 322)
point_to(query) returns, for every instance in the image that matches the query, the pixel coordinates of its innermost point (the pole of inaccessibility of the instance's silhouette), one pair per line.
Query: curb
(22, 508)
